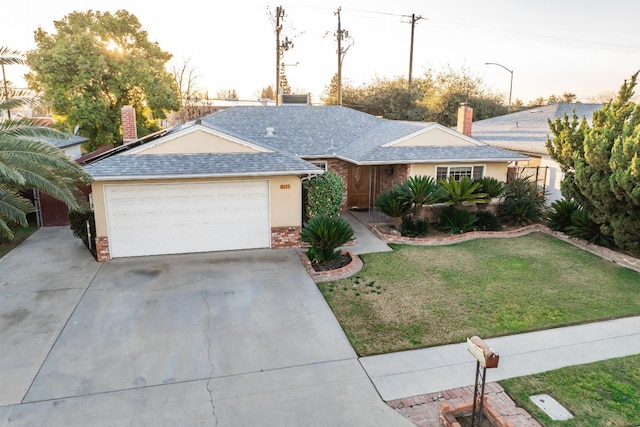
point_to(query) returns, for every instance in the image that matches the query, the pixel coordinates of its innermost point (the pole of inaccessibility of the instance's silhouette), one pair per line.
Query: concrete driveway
(228, 339)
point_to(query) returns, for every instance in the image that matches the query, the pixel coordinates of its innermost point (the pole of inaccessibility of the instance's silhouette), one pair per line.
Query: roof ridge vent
(271, 132)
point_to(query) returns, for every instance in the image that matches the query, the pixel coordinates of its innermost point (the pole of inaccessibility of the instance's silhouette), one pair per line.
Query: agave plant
(464, 191)
(325, 234)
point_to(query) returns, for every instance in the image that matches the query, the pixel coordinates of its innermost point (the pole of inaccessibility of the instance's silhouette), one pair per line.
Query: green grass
(598, 394)
(420, 296)
(21, 233)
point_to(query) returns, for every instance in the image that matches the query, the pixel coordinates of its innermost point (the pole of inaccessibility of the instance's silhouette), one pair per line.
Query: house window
(322, 164)
(458, 172)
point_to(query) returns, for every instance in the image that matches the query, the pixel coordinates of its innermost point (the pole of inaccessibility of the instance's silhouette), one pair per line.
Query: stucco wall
(435, 138)
(198, 142)
(284, 191)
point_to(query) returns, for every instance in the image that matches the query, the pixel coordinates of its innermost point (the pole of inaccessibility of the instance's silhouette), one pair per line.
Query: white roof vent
(270, 132)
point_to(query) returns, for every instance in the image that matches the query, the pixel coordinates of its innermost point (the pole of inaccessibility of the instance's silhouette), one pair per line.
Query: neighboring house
(526, 132)
(233, 180)
(51, 211)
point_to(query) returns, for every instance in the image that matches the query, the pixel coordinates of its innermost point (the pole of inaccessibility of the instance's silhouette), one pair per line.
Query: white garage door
(154, 219)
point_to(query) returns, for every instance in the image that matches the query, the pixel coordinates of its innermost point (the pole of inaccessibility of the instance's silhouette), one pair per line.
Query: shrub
(324, 195)
(559, 214)
(491, 186)
(421, 190)
(411, 228)
(523, 203)
(487, 222)
(523, 188)
(456, 220)
(464, 191)
(325, 234)
(78, 223)
(520, 211)
(585, 228)
(393, 203)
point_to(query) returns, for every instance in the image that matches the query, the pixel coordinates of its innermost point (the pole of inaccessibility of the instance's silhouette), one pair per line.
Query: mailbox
(482, 352)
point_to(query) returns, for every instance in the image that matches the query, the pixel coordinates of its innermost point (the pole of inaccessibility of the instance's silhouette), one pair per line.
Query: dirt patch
(343, 260)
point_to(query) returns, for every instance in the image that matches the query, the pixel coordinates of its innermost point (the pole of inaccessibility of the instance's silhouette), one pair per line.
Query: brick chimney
(465, 117)
(129, 130)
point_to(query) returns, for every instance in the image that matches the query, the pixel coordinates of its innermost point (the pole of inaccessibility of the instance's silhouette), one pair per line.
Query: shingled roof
(334, 131)
(293, 133)
(527, 130)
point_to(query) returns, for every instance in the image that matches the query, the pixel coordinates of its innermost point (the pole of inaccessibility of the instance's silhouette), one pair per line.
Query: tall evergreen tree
(601, 162)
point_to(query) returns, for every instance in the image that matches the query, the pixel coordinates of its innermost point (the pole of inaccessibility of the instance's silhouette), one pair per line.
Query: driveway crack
(208, 332)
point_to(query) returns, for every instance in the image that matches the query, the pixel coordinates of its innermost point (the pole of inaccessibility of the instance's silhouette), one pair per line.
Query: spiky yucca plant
(422, 190)
(456, 220)
(325, 234)
(559, 214)
(464, 191)
(393, 203)
(491, 186)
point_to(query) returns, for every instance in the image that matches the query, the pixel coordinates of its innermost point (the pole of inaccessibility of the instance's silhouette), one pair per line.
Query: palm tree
(28, 162)
(10, 97)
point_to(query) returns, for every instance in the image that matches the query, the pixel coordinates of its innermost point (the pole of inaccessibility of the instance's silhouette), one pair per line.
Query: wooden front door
(362, 187)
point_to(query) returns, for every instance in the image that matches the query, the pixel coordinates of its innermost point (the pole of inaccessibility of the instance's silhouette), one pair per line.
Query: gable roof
(527, 130)
(284, 137)
(162, 166)
(334, 131)
(65, 142)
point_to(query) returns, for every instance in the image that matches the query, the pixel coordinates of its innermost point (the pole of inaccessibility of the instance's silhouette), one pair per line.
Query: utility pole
(280, 48)
(414, 19)
(340, 35)
(279, 16)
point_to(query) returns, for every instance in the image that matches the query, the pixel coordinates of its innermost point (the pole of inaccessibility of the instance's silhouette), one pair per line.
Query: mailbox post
(486, 358)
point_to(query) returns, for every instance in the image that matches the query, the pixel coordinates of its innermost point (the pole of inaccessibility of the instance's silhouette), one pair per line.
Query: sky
(585, 47)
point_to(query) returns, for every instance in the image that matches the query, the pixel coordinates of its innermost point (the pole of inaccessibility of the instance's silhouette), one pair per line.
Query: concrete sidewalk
(429, 370)
(366, 241)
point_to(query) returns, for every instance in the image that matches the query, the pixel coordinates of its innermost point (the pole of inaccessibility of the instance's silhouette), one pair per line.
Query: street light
(510, 84)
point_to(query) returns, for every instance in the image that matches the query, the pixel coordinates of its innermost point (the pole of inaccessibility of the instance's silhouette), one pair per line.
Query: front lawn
(421, 296)
(598, 394)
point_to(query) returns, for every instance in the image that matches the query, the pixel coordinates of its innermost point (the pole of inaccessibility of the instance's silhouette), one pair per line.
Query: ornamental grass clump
(324, 235)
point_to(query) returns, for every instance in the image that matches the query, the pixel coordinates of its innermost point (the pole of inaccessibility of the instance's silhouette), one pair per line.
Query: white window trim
(483, 166)
(319, 163)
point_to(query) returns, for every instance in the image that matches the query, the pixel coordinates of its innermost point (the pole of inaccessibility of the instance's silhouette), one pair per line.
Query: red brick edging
(430, 410)
(622, 259)
(340, 273)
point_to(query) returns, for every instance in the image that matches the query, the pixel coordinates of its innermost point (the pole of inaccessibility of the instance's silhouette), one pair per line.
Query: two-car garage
(185, 217)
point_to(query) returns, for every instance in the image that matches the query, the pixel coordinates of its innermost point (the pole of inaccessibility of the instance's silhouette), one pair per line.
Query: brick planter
(340, 273)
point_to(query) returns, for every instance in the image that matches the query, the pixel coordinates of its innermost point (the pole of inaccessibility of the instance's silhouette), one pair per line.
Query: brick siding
(102, 249)
(341, 168)
(285, 237)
